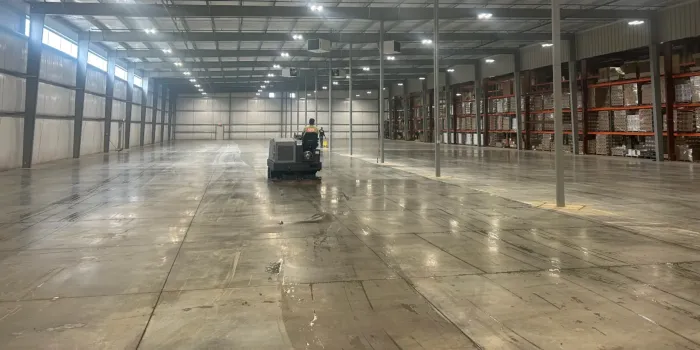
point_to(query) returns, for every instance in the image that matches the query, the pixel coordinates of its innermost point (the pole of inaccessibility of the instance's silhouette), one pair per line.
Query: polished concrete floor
(189, 246)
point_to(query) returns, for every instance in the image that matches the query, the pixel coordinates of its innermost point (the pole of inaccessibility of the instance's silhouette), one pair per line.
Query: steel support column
(558, 119)
(36, 30)
(436, 87)
(330, 104)
(109, 101)
(129, 106)
(316, 96)
(350, 93)
(670, 88)
(306, 102)
(172, 114)
(478, 89)
(144, 104)
(573, 93)
(163, 99)
(154, 114)
(80, 80)
(298, 105)
(406, 111)
(381, 91)
(517, 81)
(656, 87)
(584, 104)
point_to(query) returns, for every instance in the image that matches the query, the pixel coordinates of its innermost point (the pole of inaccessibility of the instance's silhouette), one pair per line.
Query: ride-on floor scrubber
(294, 158)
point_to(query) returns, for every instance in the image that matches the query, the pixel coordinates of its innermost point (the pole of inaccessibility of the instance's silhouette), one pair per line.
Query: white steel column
(381, 92)
(350, 95)
(316, 96)
(330, 102)
(436, 88)
(306, 105)
(656, 87)
(518, 96)
(556, 82)
(298, 99)
(573, 90)
(478, 100)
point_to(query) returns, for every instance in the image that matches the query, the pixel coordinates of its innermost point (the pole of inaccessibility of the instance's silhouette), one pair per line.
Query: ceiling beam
(361, 13)
(357, 38)
(262, 74)
(155, 53)
(301, 65)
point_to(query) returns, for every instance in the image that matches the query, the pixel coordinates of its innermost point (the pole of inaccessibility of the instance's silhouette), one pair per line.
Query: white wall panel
(118, 110)
(135, 113)
(503, 65)
(11, 142)
(536, 56)
(57, 67)
(147, 135)
(96, 80)
(55, 100)
(11, 93)
(94, 106)
(135, 134)
(13, 52)
(120, 89)
(93, 134)
(53, 139)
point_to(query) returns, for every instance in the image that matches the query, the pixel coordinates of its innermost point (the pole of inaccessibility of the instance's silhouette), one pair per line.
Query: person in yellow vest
(311, 127)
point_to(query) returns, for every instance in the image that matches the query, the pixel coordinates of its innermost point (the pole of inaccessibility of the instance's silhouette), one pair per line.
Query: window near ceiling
(138, 81)
(59, 42)
(26, 27)
(97, 61)
(120, 73)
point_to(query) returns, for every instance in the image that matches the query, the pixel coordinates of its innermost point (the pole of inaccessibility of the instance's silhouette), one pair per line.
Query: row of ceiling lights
(198, 86)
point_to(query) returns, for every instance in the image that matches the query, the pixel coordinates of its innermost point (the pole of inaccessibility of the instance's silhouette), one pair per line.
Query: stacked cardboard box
(684, 121)
(619, 151)
(688, 149)
(646, 120)
(536, 103)
(684, 92)
(603, 143)
(492, 122)
(697, 119)
(566, 120)
(617, 96)
(547, 101)
(603, 121)
(591, 146)
(634, 122)
(648, 93)
(630, 94)
(548, 121)
(620, 121)
(505, 123)
(539, 122)
(695, 87)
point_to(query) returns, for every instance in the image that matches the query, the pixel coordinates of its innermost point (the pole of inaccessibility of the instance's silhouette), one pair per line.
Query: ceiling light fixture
(484, 15)
(204, 93)
(399, 84)
(150, 31)
(450, 70)
(458, 94)
(308, 94)
(297, 37)
(292, 95)
(259, 90)
(390, 58)
(316, 8)
(369, 92)
(366, 69)
(347, 77)
(186, 73)
(262, 86)
(201, 90)
(358, 95)
(197, 85)
(193, 80)
(275, 66)
(284, 54)
(324, 87)
(178, 64)
(335, 82)
(270, 75)
(421, 78)
(167, 51)
(426, 41)
(489, 60)
(257, 94)
(547, 45)
(266, 81)
(636, 22)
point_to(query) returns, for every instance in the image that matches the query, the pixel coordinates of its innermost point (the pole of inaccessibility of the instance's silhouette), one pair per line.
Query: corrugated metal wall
(616, 37)
(503, 65)
(536, 56)
(680, 21)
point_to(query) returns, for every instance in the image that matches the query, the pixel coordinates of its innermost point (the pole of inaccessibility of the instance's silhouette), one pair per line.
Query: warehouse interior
(501, 175)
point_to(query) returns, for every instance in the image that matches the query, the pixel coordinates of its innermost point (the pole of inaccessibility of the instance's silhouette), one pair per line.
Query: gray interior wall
(252, 117)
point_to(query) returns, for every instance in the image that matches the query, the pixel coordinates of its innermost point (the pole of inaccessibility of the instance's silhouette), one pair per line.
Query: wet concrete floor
(188, 246)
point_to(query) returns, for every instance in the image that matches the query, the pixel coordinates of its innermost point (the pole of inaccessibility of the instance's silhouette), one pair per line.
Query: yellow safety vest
(311, 128)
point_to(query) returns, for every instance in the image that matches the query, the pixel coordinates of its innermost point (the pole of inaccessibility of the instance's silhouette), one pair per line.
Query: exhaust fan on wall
(290, 72)
(318, 45)
(337, 72)
(391, 47)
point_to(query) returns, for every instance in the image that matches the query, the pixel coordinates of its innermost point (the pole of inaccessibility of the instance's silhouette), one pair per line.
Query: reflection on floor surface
(188, 246)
